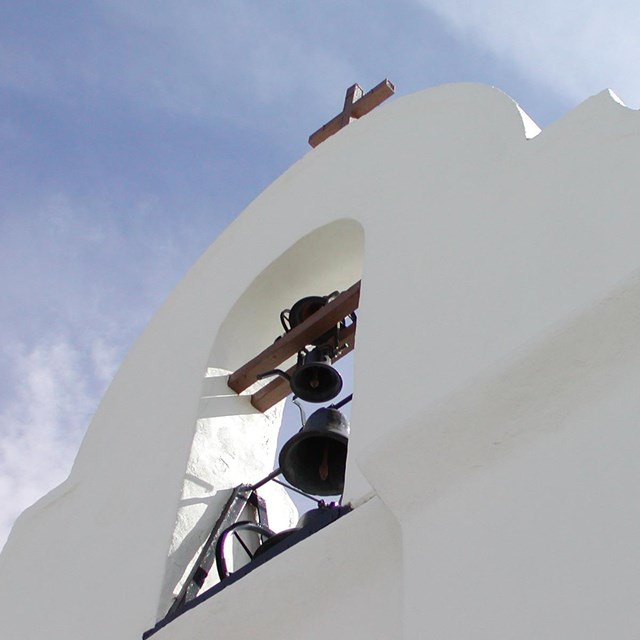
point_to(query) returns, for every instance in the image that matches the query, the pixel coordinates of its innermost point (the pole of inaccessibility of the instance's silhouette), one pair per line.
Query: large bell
(306, 520)
(315, 459)
(315, 380)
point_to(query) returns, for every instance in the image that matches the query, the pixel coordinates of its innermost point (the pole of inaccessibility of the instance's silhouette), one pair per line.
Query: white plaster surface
(342, 582)
(493, 456)
(231, 446)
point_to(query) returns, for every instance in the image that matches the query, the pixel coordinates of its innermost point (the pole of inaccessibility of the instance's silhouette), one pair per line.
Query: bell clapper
(323, 469)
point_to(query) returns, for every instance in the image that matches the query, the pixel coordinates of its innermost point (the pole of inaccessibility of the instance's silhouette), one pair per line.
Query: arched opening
(327, 259)
(234, 442)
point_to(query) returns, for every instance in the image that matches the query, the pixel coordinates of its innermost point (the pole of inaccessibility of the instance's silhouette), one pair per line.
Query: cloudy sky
(132, 132)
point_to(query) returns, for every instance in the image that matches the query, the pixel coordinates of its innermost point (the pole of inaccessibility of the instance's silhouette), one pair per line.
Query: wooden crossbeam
(296, 339)
(278, 389)
(356, 105)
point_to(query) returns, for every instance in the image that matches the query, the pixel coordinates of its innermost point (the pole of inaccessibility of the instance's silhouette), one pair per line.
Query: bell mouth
(316, 382)
(315, 462)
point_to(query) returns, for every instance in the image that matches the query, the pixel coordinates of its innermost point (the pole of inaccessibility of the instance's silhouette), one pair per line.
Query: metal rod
(273, 372)
(342, 402)
(302, 493)
(303, 417)
(274, 474)
(244, 546)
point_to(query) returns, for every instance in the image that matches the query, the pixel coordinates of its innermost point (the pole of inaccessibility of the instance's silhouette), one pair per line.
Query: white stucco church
(492, 484)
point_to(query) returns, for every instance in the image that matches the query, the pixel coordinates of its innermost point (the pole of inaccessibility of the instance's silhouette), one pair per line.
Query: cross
(356, 105)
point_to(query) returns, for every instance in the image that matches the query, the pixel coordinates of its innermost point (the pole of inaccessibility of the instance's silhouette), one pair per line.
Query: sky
(132, 132)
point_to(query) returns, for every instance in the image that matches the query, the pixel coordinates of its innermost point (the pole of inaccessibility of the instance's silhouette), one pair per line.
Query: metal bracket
(240, 496)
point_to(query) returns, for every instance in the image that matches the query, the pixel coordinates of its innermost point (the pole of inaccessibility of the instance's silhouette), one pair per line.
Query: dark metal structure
(240, 497)
(226, 525)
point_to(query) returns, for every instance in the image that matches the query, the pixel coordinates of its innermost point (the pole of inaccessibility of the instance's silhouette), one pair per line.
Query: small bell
(315, 380)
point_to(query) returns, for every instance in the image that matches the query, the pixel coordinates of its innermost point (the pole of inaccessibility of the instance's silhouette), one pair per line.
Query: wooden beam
(326, 131)
(296, 339)
(356, 105)
(373, 98)
(279, 388)
(354, 93)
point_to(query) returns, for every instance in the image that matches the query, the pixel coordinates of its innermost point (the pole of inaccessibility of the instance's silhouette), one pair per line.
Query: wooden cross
(356, 105)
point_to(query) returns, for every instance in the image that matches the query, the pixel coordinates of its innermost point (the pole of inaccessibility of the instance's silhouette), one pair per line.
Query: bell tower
(490, 480)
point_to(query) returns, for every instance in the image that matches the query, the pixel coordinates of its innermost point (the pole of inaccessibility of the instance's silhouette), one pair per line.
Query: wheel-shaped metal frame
(243, 525)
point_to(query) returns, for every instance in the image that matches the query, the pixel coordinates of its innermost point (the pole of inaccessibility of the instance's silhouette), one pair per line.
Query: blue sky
(132, 133)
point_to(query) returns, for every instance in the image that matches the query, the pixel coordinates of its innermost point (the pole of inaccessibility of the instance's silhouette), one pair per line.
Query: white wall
(492, 458)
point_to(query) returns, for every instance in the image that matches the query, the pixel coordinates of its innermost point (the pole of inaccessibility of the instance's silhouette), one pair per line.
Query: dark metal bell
(316, 380)
(312, 519)
(304, 309)
(314, 460)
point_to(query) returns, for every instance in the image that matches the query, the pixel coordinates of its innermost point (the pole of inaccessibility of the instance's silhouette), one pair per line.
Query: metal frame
(240, 497)
(331, 516)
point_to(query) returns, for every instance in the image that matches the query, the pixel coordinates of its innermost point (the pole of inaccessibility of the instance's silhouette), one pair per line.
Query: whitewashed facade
(493, 459)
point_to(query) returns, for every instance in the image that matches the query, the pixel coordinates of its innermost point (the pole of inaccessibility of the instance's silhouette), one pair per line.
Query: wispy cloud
(56, 391)
(577, 48)
(66, 325)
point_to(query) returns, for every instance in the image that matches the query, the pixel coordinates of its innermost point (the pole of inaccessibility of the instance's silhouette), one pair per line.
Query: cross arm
(356, 109)
(372, 99)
